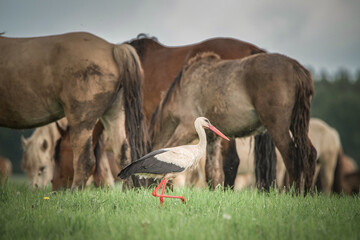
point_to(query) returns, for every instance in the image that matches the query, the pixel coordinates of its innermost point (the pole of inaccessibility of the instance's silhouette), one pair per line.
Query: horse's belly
(29, 113)
(239, 116)
(248, 123)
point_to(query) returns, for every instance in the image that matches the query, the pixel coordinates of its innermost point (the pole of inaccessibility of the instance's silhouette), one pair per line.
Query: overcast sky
(324, 34)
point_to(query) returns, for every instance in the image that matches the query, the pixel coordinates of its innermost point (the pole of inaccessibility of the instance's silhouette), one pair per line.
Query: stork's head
(205, 123)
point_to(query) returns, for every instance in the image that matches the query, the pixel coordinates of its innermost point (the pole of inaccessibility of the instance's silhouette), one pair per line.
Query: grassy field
(136, 214)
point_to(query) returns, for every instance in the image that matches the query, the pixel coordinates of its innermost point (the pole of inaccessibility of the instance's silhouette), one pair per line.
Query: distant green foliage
(337, 102)
(136, 214)
(10, 145)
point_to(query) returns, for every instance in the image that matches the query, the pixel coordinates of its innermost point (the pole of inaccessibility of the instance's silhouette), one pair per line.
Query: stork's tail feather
(130, 169)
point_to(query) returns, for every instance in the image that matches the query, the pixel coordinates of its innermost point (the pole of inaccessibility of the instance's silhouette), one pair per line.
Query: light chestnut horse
(38, 152)
(5, 169)
(243, 91)
(327, 143)
(77, 75)
(326, 140)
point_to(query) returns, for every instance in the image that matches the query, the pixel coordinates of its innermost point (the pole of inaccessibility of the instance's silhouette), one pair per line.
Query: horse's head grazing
(37, 159)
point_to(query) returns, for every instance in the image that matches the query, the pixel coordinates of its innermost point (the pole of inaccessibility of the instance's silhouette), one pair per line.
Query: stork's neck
(202, 135)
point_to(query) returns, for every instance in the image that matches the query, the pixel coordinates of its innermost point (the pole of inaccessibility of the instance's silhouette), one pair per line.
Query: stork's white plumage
(166, 163)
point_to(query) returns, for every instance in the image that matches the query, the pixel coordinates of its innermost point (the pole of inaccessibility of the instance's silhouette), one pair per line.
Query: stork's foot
(183, 200)
(162, 196)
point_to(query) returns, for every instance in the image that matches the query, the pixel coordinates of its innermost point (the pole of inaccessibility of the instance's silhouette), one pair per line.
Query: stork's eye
(207, 121)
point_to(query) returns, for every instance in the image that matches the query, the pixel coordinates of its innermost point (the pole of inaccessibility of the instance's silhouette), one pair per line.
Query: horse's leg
(280, 171)
(84, 160)
(316, 174)
(102, 176)
(82, 117)
(213, 167)
(114, 124)
(327, 170)
(290, 153)
(198, 174)
(286, 148)
(231, 162)
(276, 117)
(125, 159)
(180, 180)
(297, 151)
(245, 180)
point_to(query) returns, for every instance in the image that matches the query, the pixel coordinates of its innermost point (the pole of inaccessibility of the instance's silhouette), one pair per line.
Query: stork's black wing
(150, 164)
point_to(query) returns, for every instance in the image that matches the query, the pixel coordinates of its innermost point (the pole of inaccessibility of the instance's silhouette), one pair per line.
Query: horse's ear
(24, 141)
(60, 129)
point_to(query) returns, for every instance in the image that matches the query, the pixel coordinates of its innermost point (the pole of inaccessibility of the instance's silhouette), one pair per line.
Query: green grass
(136, 214)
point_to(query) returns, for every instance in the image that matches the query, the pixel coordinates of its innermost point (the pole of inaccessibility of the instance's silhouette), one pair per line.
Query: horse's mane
(140, 41)
(175, 86)
(144, 35)
(201, 56)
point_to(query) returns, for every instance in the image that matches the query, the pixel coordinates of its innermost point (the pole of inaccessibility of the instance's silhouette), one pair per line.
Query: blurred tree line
(336, 101)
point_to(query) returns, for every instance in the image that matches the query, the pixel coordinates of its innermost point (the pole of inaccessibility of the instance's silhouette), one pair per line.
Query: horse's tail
(305, 153)
(231, 162)
(265, 161)
(131, 75)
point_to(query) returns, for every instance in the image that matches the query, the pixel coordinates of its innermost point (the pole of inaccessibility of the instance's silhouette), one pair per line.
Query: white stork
(166, 163)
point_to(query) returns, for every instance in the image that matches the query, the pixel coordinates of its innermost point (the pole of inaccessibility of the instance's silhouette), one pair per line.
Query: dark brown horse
(77, 75)
(263, 92)
(161, 65)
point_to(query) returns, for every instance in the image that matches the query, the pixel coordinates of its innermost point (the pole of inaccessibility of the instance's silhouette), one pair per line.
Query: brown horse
(63, 156)
(262, 92)
(161, 65)
(77, 75)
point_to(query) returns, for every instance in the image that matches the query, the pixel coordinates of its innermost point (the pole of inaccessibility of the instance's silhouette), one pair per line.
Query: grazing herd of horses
(108, 92)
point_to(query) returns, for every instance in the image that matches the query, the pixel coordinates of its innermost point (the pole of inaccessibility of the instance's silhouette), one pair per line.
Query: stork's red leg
(154, 193)
(162, 193)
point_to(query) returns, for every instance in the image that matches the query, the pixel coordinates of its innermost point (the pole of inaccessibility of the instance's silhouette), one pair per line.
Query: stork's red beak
(214, 129)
